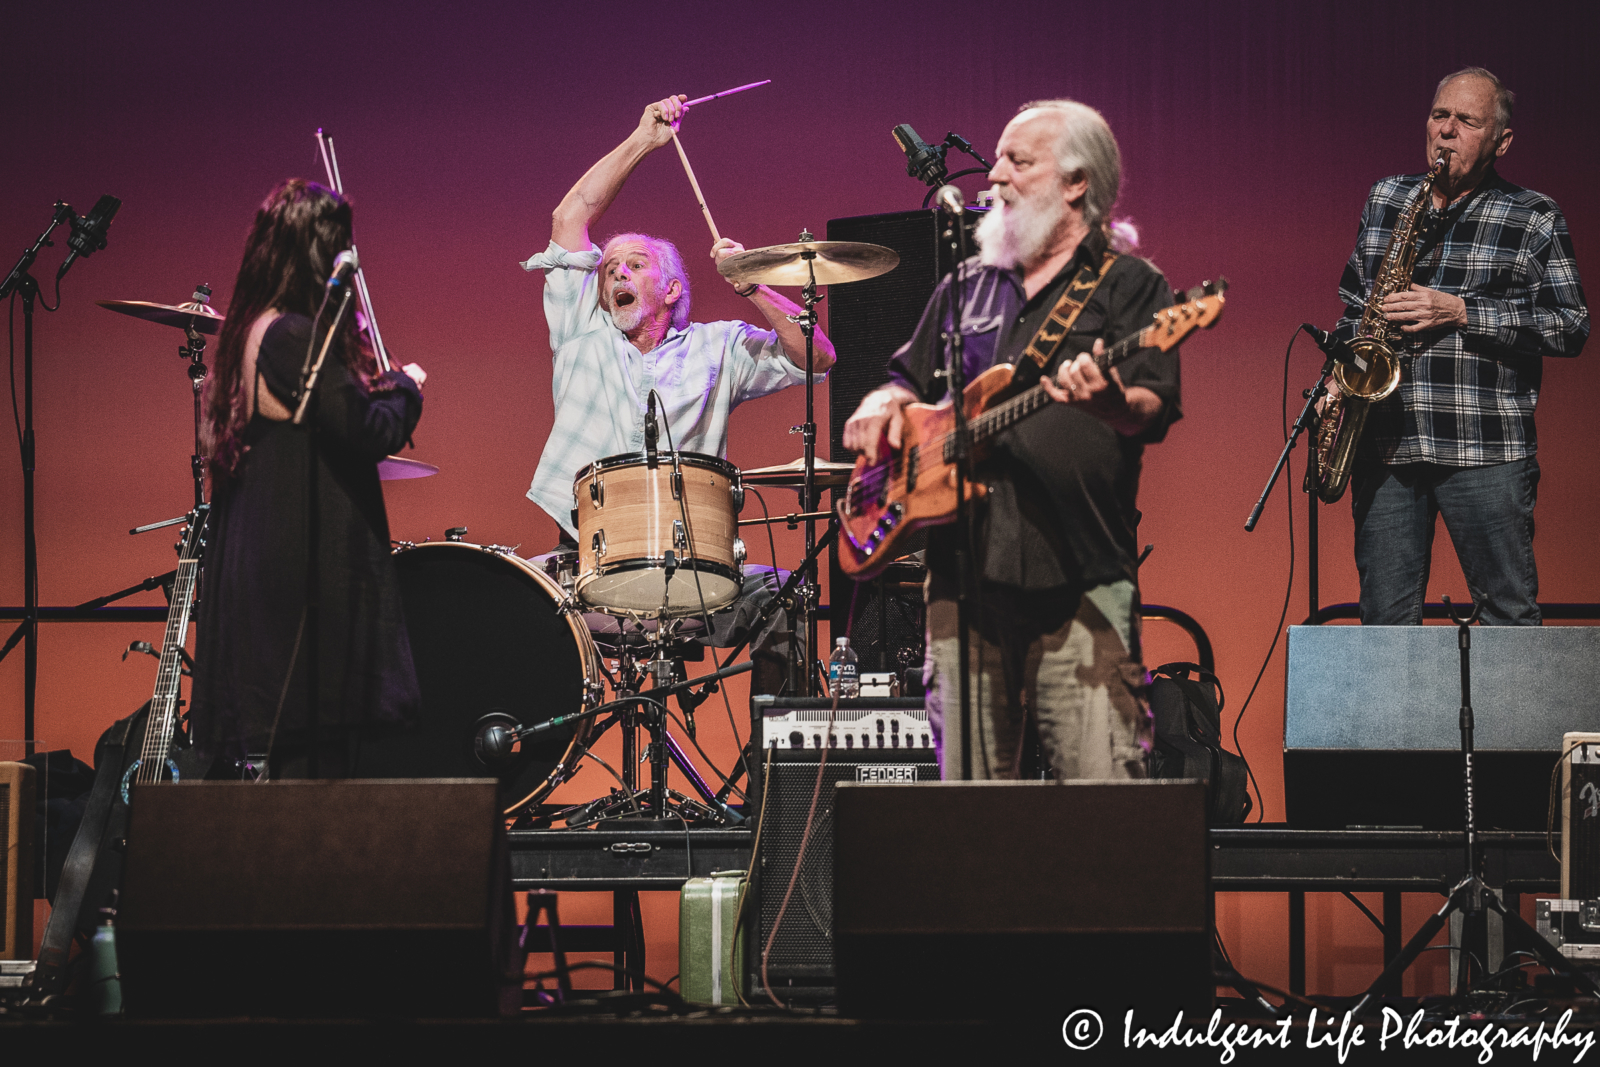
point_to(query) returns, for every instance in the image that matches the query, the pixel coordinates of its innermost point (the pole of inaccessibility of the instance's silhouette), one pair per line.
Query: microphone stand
(955, 383)
(20, 281)
(309, 374)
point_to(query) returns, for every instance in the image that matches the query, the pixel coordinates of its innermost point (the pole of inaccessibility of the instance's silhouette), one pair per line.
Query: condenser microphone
(923, 162)
(344, 264)
(89, 232)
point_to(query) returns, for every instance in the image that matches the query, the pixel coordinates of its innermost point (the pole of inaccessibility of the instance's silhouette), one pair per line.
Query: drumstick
(698, 195)
(727, 92)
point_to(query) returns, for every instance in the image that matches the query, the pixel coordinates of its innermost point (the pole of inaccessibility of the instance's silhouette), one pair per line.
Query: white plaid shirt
(602, 383)
(1466, 397)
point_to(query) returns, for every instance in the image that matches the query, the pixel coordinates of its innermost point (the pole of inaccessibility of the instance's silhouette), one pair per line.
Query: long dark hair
(299, 229)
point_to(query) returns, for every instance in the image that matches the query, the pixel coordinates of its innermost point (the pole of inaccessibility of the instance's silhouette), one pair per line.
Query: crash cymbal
(182, 316)
(835, 262)
(398, 468)
(793, 475)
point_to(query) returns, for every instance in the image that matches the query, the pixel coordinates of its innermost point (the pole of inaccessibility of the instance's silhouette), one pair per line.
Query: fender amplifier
(1580, 817)
(790, 736)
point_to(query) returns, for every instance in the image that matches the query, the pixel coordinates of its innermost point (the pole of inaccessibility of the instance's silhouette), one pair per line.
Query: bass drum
(490, 644)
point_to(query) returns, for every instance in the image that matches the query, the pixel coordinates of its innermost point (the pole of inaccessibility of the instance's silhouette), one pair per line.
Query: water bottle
(844, 679)
(105, 981)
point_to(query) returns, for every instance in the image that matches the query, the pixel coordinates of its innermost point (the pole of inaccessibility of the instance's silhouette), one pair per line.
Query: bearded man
(1056, 620)
(620, 329)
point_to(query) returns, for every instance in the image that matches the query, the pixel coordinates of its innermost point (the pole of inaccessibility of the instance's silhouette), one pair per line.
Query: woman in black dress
(257, 642)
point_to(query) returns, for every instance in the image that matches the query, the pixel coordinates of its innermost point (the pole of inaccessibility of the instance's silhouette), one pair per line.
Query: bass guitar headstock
(1200, 311)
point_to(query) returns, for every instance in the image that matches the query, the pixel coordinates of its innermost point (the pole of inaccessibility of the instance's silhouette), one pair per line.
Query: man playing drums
(619, 328)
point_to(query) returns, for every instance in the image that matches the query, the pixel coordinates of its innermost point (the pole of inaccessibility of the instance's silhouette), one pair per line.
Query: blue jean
(1488, 512)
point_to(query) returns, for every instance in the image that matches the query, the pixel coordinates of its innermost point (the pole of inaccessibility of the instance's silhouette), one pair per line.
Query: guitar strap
(50, 974)
(1047, 341)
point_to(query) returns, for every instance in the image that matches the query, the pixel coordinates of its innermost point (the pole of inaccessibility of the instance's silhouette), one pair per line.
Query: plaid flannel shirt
(602, 383)
(1466, 396)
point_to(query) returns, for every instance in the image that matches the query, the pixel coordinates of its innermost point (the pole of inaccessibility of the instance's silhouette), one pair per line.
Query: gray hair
(670, 262)
(1504, 99)
(1086, 146)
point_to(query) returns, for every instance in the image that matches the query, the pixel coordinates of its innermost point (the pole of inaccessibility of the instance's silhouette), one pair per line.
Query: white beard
(628, 318)
(1015, 233)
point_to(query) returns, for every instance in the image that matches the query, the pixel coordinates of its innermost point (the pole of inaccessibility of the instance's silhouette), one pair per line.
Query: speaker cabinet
(800, 959)
(379, 898)
(16, 861)
(1371, 729)
(867, 322)
(1023, 900)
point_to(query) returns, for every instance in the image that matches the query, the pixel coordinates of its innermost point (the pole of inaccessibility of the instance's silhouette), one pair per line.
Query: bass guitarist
(1055, 624)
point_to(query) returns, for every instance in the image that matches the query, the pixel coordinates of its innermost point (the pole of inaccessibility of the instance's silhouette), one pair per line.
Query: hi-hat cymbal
(398, 468)
(793, 475)
(200, 316)
(835, 263)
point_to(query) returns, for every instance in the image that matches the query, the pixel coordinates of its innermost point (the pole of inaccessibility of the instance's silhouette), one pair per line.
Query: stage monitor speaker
(350, 899)
(1371, 726)
(867, 322)
(1025, 900)
(800, 960)
(16, 861)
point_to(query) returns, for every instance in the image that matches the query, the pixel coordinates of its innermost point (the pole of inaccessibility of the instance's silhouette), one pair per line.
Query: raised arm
(776, 309)
(586, 201)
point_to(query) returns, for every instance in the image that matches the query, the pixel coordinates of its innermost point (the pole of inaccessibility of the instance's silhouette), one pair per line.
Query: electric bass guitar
(916, 486)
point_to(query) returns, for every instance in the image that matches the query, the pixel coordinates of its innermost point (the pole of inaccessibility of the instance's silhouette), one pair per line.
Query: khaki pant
(1068, 658)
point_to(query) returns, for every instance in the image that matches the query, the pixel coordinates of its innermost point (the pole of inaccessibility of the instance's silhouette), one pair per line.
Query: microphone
(89, 232)
(923, 162)
(1332, 346)
(651, 433)
(951, 199)
(344, 264)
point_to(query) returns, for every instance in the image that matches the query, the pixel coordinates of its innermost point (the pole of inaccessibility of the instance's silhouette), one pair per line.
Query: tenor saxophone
(1376, 369)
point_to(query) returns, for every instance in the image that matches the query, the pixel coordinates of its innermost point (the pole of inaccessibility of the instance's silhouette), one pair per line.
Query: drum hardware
(791, 520)
(809, 263)
(196, 320)
(456, 534)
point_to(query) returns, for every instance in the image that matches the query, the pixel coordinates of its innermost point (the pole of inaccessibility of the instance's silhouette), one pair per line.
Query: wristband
(746, 293)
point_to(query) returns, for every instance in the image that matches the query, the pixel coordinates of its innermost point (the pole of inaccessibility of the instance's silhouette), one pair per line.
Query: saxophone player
(1493, 291)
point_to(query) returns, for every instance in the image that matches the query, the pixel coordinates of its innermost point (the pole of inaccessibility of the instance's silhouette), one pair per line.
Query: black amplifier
(788, 735)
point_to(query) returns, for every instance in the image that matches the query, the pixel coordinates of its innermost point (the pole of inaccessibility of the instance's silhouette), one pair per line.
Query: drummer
(619, 328)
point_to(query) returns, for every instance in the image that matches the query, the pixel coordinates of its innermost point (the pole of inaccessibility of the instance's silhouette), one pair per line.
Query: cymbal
(793, 475)
(835, 262)
(182, 316)
(398, 468)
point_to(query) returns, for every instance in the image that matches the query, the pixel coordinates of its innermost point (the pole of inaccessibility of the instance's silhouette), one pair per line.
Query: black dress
(253, 583)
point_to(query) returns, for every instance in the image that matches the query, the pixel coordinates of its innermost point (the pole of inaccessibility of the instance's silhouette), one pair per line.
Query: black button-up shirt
(1061, 508)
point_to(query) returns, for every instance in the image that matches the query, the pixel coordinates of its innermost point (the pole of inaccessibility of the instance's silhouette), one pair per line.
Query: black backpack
(1188, 740)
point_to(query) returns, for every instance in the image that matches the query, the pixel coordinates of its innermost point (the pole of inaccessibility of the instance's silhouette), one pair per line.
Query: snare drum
(630, 516)
(490, 645)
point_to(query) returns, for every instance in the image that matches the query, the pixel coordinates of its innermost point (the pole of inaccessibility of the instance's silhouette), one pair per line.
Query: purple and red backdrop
(1250, 134)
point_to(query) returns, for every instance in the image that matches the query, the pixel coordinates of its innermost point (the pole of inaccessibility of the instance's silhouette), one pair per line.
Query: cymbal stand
(1470, 895)
(806, 603)
(195, 352)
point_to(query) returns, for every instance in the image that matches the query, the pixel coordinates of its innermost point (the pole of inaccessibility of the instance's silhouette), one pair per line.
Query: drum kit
(512, 654)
